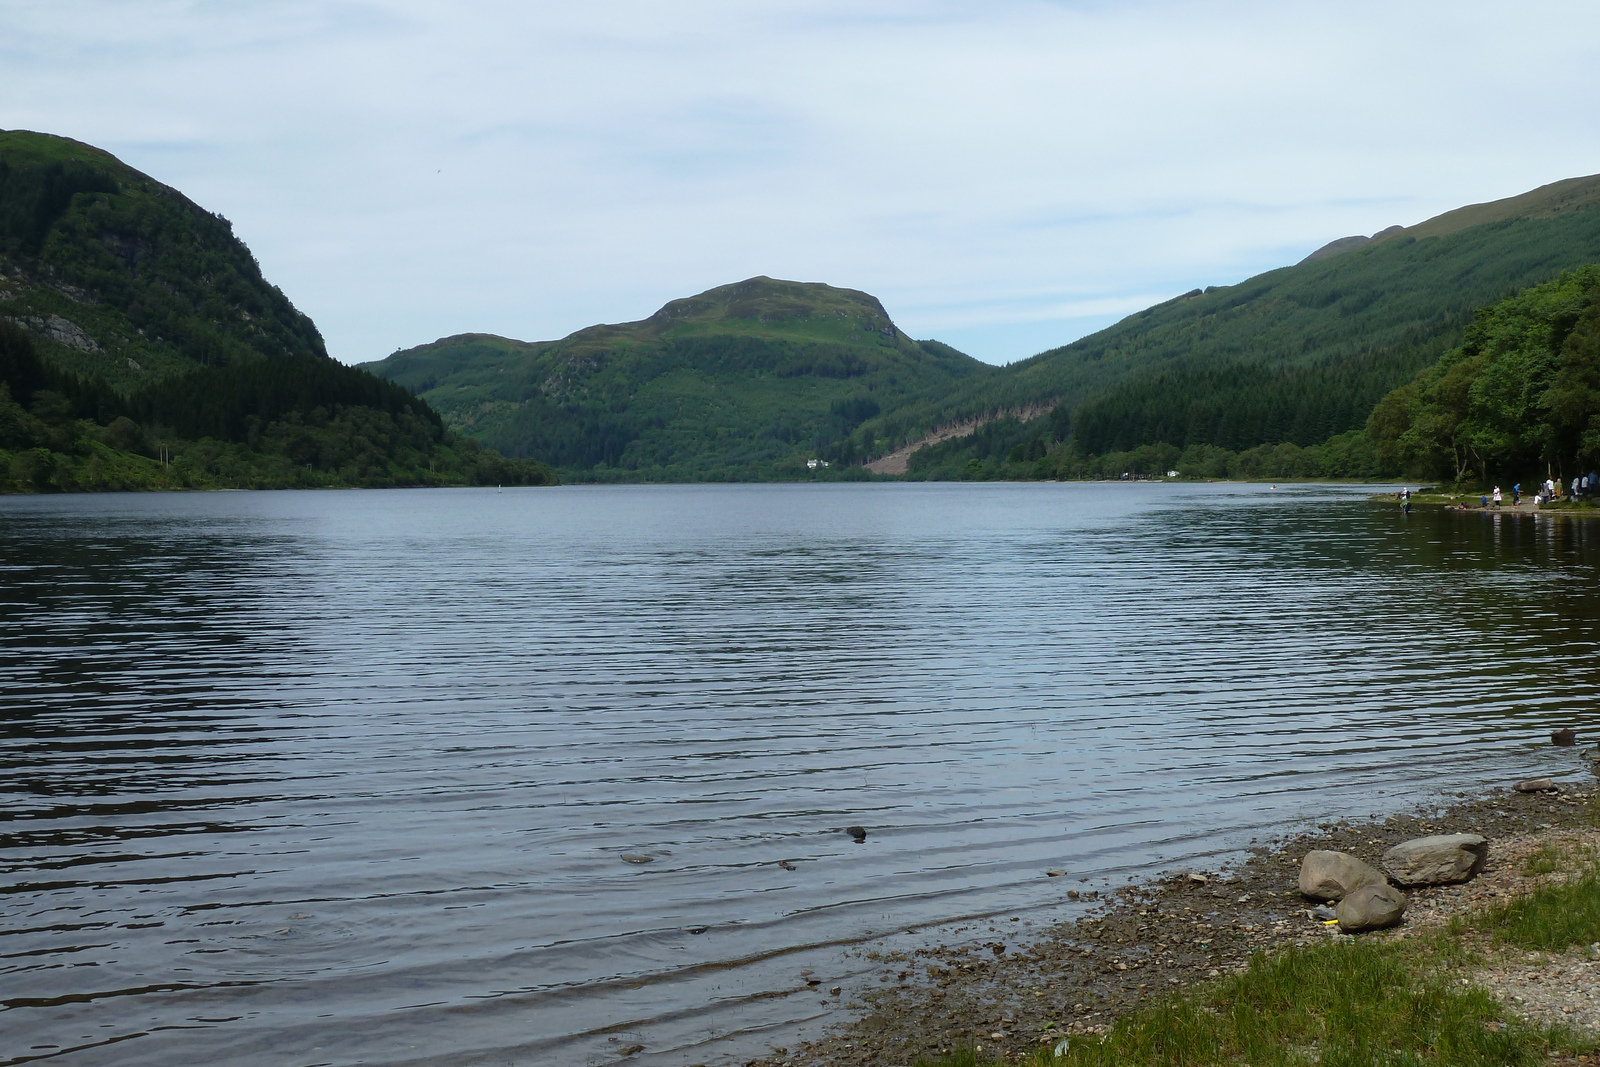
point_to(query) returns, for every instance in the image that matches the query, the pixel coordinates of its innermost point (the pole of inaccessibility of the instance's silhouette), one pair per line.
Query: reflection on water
(334, 778)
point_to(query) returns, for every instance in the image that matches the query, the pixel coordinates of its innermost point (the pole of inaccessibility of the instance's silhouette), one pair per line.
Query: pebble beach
(1023, 989)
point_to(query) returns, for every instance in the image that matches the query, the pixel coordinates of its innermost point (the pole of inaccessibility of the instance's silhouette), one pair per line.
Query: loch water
(361, 777)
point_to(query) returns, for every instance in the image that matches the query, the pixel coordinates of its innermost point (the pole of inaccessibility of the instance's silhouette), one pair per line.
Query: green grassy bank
(1363, 1001)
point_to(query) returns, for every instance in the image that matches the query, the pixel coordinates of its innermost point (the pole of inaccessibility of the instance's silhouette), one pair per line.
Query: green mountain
(141, 347)
(745, 381)
(1295, 355)
(123, 279)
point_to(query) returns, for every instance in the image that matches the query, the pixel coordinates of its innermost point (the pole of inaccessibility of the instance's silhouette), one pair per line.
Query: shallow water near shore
(349, 777)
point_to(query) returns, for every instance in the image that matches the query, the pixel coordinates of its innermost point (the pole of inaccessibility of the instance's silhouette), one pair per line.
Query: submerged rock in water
(1371, 907)
(857, 832)
(1328, 875)
(1564, 736)
(637, 857)
(1443, 859)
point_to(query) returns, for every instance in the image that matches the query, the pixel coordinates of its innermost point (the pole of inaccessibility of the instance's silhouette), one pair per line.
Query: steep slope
(748, 380)
(1296, 354)
(140, 347)
(123, 279)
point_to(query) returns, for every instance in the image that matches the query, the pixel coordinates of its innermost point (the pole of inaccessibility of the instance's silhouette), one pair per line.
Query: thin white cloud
(407, 169)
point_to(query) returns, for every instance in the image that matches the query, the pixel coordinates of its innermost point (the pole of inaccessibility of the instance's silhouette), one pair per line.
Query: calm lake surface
(349, 777)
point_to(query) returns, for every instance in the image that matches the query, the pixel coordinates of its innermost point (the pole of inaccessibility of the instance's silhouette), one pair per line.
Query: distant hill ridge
(1349, 244)
(1569, 194)
(749, 380)
(741, 306)
(763, 299)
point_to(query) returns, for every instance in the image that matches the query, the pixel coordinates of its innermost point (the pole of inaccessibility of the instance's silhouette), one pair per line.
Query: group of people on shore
(1582, 487)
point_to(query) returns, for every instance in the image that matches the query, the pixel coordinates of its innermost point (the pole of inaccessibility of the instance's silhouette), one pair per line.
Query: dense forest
(141, 348)
(1518, 399)
(268, 425)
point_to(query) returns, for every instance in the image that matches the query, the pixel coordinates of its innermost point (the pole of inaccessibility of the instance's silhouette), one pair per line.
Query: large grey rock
(1330, 875)
(1370, 907)
(1439, 860)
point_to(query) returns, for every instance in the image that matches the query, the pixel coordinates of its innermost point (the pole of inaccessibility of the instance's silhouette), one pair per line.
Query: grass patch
(1334, 1005)
(1367, 1004)
(1553, 918)
(1547, 859)
(961, 1057)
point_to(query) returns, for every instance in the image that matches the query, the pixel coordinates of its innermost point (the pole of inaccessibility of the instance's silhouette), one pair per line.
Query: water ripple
(347, 778)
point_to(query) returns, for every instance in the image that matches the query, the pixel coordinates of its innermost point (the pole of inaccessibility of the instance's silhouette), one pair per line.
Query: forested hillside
(745, 381)
(1294, 356)
(140, 347)
(123, 279)
(1519, 399)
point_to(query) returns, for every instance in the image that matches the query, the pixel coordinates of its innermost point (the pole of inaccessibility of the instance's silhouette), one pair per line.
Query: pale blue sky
(1006, 175)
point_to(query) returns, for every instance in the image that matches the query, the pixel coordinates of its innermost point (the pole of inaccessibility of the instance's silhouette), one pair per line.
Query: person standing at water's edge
(1497, 496)
(1516, 494)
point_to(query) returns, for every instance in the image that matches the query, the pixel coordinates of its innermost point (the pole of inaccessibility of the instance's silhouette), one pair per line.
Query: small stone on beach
(1536, 785)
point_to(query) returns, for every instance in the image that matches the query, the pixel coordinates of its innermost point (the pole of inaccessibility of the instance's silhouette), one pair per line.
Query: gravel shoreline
(1012, 995)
